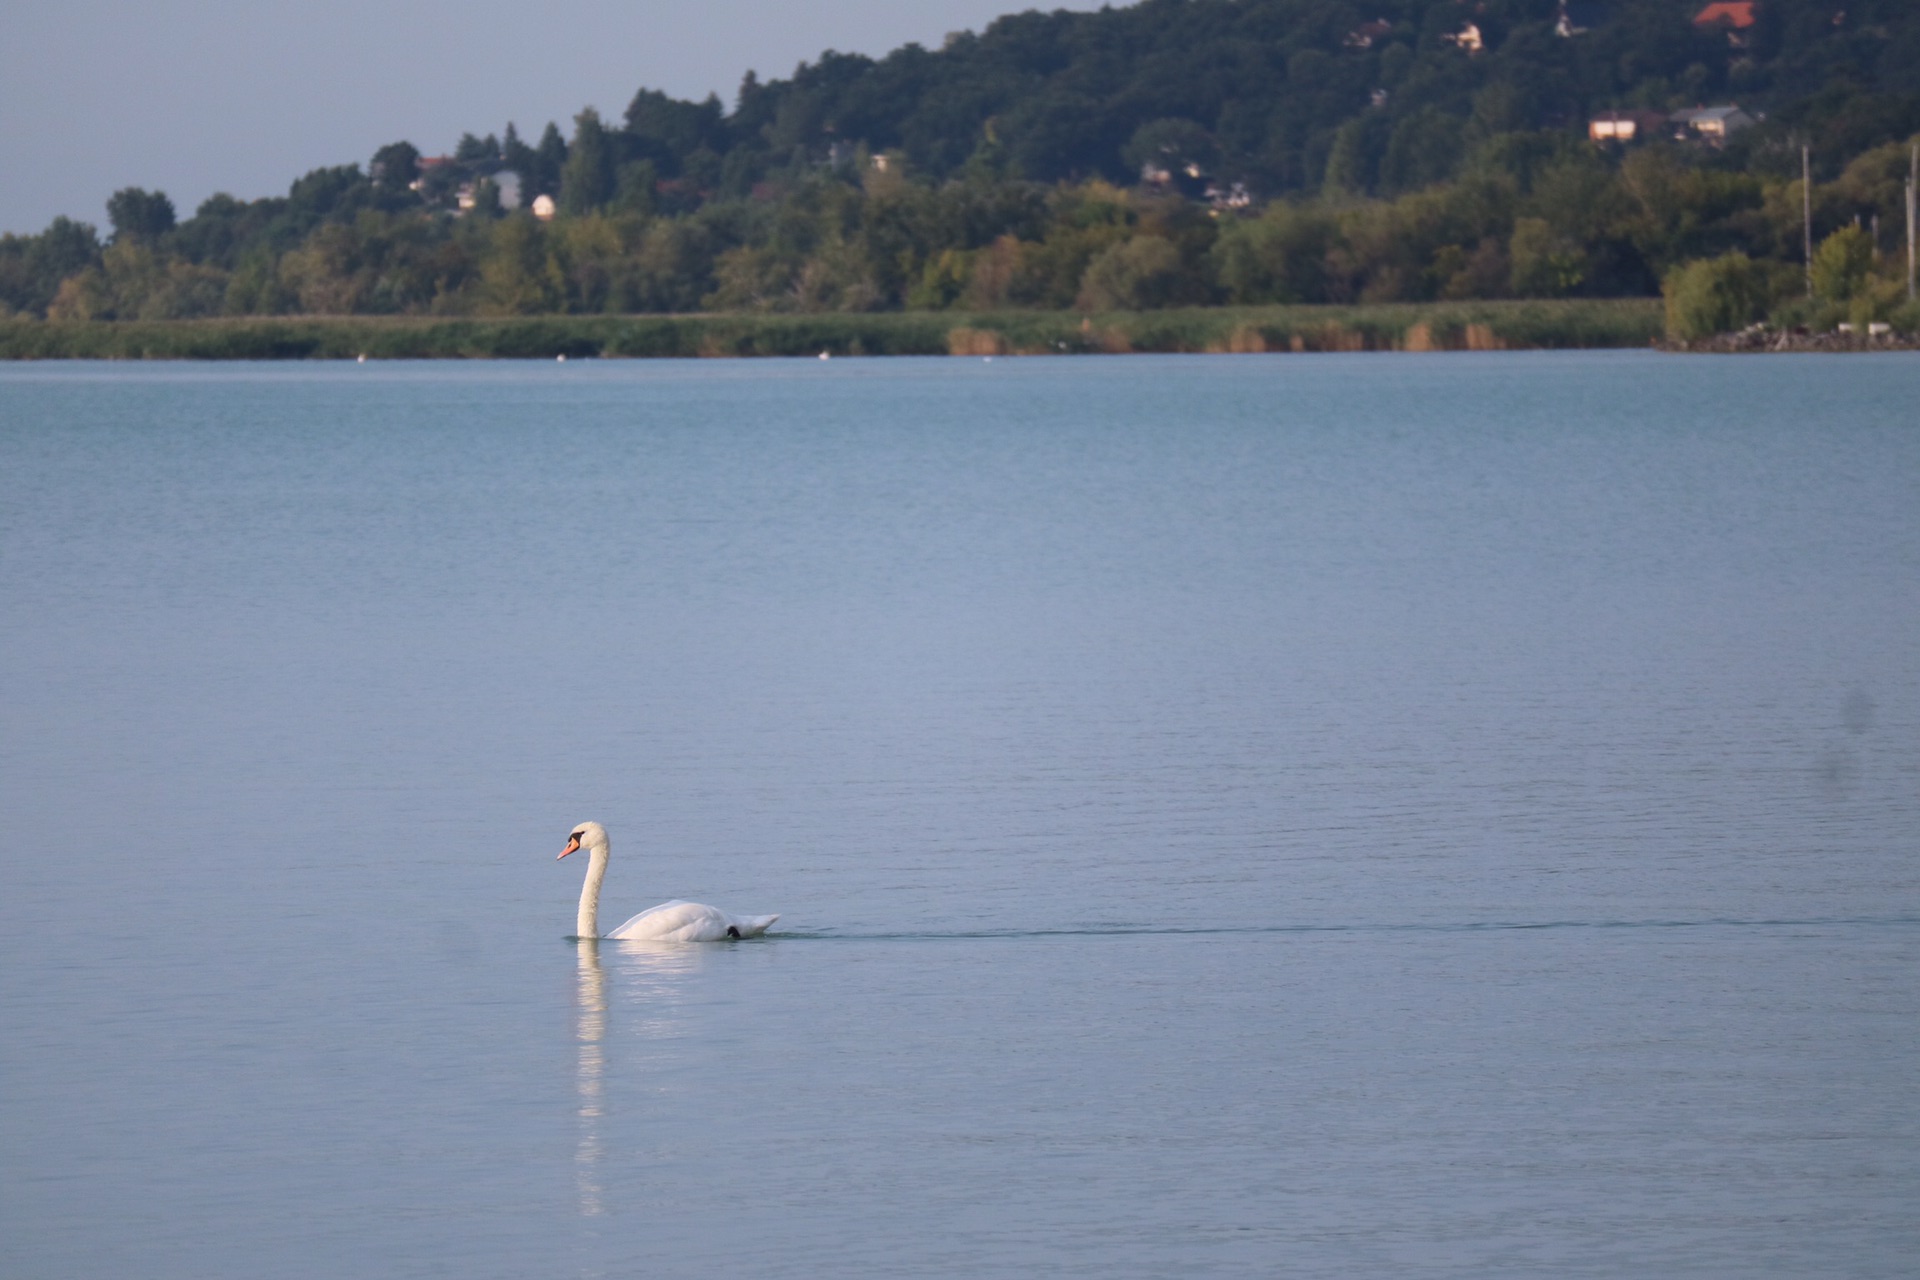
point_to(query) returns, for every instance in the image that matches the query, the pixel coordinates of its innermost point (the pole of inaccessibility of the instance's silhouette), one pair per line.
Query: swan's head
(588, 835)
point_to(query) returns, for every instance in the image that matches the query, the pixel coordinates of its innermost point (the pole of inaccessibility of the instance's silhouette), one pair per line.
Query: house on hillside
(1731, 16)
(1625, 126)
(1228, 199)
(1576, 18)
(1188, 181)
(1713, 124)
(1363, 36)
(506, 189)
(543, 207)
(1467, 37)
(429, 168)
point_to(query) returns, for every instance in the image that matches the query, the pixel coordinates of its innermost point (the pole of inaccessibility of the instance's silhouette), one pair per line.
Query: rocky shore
(1761, 337)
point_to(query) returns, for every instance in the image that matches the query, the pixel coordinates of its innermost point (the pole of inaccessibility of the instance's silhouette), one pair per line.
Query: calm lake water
(1306, 815)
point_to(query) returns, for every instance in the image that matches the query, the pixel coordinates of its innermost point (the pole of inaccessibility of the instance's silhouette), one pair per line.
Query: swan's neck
(588, 924)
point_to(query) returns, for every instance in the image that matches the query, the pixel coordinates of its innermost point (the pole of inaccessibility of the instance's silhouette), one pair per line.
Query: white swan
(674, 921)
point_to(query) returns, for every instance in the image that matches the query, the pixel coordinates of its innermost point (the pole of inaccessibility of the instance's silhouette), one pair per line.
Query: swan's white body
(679, 921)
(674, 921)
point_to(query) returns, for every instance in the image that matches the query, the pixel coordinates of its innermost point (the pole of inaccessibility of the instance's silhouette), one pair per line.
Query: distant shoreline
(1441, 326)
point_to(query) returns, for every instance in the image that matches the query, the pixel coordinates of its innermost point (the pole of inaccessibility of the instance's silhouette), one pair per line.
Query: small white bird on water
(674, 921)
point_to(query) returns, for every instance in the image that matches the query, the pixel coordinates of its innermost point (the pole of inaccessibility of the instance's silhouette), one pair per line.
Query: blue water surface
(1449, 815)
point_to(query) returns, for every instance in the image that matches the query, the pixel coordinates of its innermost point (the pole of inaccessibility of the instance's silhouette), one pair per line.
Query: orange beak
(573, 844)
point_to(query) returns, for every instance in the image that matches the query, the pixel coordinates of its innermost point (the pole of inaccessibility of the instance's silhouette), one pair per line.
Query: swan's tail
(753, 926)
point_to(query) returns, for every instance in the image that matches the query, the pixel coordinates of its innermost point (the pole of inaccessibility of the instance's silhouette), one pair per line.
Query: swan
(674, 921)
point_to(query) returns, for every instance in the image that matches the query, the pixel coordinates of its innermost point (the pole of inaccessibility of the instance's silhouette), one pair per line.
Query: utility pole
(1913, 189)
(1806, 211)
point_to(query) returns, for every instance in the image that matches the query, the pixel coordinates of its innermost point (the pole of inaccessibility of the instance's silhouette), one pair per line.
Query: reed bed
(1462, 326)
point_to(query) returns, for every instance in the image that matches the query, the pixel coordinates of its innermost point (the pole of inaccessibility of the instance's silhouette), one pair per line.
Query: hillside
(1174, 152)
(1271, 92)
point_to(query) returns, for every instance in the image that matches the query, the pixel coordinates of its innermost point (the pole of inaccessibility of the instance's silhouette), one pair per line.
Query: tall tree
(65, 247)
(395, 166)
(586, 182)
(138, 215)
(481, 153)
(549, 159)
(518, 156)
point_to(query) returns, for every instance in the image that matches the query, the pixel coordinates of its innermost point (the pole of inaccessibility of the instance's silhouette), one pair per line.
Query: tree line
(1174, 153)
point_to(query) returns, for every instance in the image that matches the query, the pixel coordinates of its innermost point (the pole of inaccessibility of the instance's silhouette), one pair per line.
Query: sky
(196, 96)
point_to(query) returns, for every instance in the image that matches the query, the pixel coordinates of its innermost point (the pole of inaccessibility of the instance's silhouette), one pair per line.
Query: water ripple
(1467, 926)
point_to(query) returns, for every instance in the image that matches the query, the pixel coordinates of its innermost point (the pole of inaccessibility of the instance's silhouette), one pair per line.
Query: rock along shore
(1762, 338)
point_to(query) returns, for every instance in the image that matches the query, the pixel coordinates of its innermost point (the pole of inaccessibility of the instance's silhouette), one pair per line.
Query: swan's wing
(679, 921)
(676, 921)
(664, 921)
(752, 926)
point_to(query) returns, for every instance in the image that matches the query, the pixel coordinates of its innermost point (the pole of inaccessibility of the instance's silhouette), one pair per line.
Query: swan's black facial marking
(733, 931)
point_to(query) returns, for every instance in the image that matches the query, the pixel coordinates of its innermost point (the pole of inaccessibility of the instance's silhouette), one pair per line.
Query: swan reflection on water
(650, 974)
(592, 999)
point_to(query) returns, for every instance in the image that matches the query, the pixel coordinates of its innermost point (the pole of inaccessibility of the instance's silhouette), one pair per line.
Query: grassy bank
(1389, 327)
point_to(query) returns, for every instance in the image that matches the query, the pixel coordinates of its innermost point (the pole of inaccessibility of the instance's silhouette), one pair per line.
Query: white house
(1715, 124)
(1624, 126)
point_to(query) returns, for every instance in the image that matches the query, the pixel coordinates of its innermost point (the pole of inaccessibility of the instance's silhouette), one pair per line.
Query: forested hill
(1378, 96)
(1173, 152)
(1270, 91)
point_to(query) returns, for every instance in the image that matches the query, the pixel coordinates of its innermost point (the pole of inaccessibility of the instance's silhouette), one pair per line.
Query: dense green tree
(518, 276)
(395, 166)
(635, 188)
(520, 159)
(139, 216)
(65, 247)
(549, 161)
(1353, 164)
(1278, 257)
(587, 177)
(1842, 264)
(1423, 149)
(1714, 295)
(666, 130)
(1137, 274)
(479, 154)
(331, 193)
(33, 267)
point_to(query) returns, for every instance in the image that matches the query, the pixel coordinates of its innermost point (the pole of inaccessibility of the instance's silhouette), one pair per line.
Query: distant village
(1711, 125)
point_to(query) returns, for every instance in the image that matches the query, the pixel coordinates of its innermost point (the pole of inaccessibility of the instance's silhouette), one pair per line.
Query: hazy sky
(198, 96)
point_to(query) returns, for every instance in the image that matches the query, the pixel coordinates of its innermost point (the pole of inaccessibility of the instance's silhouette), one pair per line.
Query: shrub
(1875, 300)
(1544, 264)
(1279, 257)
(1136, 274)
(1842, 264)
(1713, 295)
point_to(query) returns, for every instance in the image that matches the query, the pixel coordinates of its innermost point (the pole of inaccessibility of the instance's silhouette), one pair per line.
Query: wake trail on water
(1472, 926)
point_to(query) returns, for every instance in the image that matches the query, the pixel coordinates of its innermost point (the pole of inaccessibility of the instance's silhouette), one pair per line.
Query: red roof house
(1737, 14)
